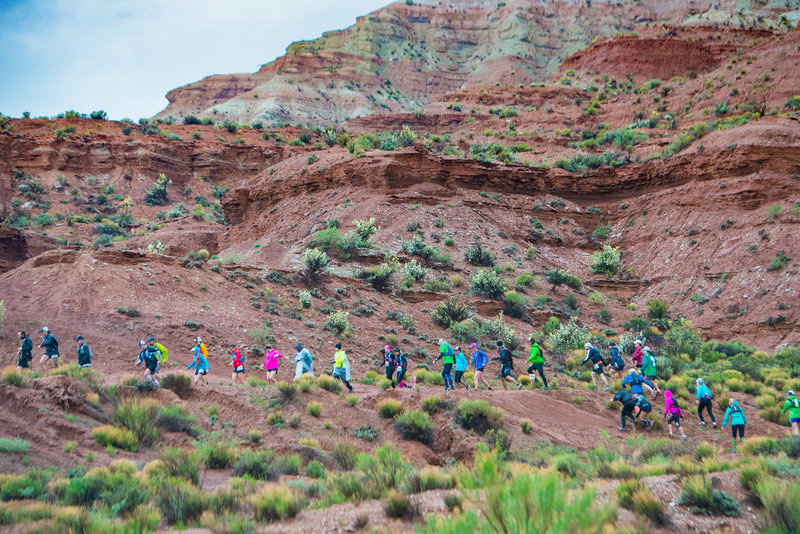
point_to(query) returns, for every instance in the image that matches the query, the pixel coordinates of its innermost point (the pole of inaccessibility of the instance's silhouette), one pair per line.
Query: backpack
(204, 349)
(736, 408)
(450, 350)
(677, 406)
(795, 402)
(55, 342)
(636, 379)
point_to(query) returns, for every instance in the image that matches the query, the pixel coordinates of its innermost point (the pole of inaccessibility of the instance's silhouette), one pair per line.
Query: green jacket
(536, 354)
(793, 405)
(735, 414)
(649, 365)
(446, 354)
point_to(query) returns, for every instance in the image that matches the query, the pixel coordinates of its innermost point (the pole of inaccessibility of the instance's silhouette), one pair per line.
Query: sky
(123, 56)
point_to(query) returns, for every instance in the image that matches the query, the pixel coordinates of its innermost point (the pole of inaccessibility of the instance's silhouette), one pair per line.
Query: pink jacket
(670, 406)
(271, 361)
(637, 356)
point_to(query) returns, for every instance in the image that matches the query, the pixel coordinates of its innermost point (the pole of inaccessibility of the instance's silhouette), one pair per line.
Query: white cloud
(124, 56)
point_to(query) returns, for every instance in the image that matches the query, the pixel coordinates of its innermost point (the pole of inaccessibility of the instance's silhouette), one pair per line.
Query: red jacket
(637, 356)
(236, 358)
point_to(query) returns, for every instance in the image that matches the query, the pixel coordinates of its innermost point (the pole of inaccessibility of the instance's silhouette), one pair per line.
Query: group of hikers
(640, 378)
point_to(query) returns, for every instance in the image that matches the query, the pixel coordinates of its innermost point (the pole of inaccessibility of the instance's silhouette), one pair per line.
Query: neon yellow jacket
(339, 359)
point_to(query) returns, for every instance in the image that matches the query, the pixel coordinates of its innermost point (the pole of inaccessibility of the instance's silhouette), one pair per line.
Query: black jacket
(506, 360)
(84, 355)
(50, 344)
(25, 347)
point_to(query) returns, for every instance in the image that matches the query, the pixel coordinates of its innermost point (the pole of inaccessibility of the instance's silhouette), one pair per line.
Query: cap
(44, 329)
(151, 338)
(637, 342)
(790, 393)
(646, 349)
(298, 346)
(338, 345)
(232, 345)
(267, 346)
(700, 381)
(500, 343)
(140, 343)
(587, 346)
(632, 371)
(474, 346)
(610, 343)
(198, 339)
(458, 348)
(79, 338)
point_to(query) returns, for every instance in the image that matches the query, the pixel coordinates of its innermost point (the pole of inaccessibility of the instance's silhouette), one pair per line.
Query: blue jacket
(636, 384)
(199, 361)
(703, 392)
(461, 362)
(479, 359)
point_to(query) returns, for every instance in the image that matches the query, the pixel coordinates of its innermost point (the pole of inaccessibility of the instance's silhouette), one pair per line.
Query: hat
(587, 346)
(790, 393)
(700, 381)
(267, 346)
(474, 346)
(387, 348)
(499, 342)
(632, 371)
(338, 345)
(79, 338)
(140, 343)
(458, 348)
(646, 349)
(298, 346)
(198, 339)
(397, 350)
(610, 343)
(638, 342)
(44, 329)
(151, 338)
(232, 345)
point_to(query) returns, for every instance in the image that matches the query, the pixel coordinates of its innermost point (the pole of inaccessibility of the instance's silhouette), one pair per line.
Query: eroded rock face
(398, 58)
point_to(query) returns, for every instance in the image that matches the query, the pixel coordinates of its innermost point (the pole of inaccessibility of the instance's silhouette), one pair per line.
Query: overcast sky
(123, 56)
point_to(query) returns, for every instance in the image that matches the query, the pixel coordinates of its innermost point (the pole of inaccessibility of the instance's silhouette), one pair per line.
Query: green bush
(32, 485)
(657, 309)
(449, 312)
(180, 384)
(177, 419)
(431, 404)
(314, 409)
(782, 515)
(258, 464)
(121, 438)
(700, 497)
(569, 336)
(179, 501)
(276, 503)
(287, 390)
(339, 324)
(478, 415)
(558, 277)
(328, 383)
(606, 261)
(345, 455)
(139, 417)
(488, 283)
(389, 408)
(157, 194)
(514, 304)
(416, 425)
(479, 256)
(315, 262)
(14, 445)
(366, 433)
(379, 276)
(217, 451)
(181, 463)
(397, 506)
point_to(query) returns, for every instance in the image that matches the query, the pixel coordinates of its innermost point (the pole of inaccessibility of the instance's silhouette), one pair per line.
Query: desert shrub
(177, 419)
(428, 479)
(258, 464)
(384, 470)
(288, 390)
(217, 451)
(352, 400)
(526, 425)
(139, 417)
(379, 276)
(705, 449)
(782, 515)
(569, 336)
(181, 463)
(314, 469)
(338, 323)
(790, 445)
(431, 404)
(416, 425)
(750, 475)
(397, 506)
(157, 194)
(606, 261)
(345, 455)
(514, 304)
(314, 409)
(14, 445)
(488, 283)
(682, 339)
(453, 501)
(366, 432)
(276, 419)
(328, 383)
(759, 446)
(479, 256)
(315, 261)
(478, 415)
(305, 383)
(657, 309)
(289, 464)
(179, 501)
(645, 503)
(31, 485)
(414, 271)
(697, 493)
(449, 312)
(389, 408)
(121, 438)
(558, 277)
(180, 384)
(661, 447)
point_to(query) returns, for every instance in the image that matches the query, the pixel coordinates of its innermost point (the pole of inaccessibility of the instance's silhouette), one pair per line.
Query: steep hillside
(401, 57)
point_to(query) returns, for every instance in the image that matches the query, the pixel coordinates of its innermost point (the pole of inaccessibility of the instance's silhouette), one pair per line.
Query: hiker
(593, 354)
(341, 367)
(506, 365)
(704, 397)
(649, 370)
(304, 361)
(237, 362)
(271, 357)
(390, 363)
(163, 353)
(84, 353)
(50, 345)
(793, 405)
(628, 404)
(200, 364)
(25, 350)
(479, 360)
(617, 363)
(150, 359)
(448, 358)
(673, 410)
(536, 361)
(642, 405)
(202, 346)
(738, 420)
(461, 366)
(637, 355)
(401, 363)
(637, 382)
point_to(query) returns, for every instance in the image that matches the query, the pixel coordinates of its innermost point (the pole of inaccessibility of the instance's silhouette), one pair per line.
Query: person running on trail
(617, 363)
(461, 366)
(479, 360)
(390, 363)
(628, 405)
(25, 351)
(593, 354)
(704, 397)
(506, 366)
(536, 361)
(200, 364)
(50, 345)
(738, 420)
(448, 358)
(341, 367)
(271, 357)
(650, 370)
(642, 406)
(637, 355)
(149, 356)
(673, 410)
(793, 405)
(163, 354)
(304, 361)
(401, 363)
(237, 362)
(637, 382)
(84, 353)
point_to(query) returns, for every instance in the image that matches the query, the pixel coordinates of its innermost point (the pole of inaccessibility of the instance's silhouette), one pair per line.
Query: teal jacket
(735, 414)
(461, 362)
